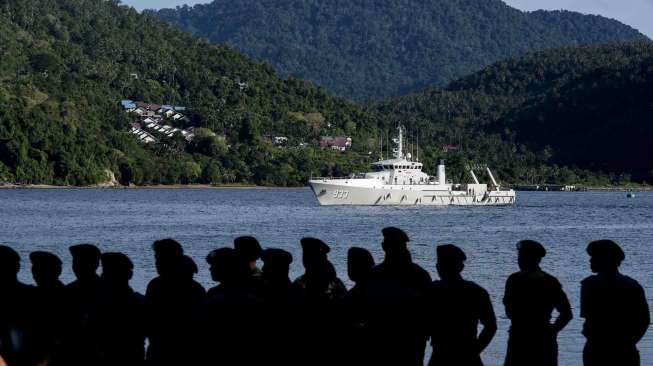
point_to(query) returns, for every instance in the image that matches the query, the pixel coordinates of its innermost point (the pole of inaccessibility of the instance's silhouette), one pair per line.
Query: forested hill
(585, 107)
(366, 49)
(66, 64)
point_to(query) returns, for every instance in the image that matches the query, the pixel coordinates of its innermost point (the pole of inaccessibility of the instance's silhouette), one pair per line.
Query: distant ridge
(365, 49)
(587, 107)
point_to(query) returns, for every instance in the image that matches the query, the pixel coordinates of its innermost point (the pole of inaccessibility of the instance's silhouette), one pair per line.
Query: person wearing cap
(530, 297)
(249, 250)
(16, 311)
(456, 308)
(228, 318)
(614, 307)
(396, 293)
(50, 306)
(170, 299)
(283, 300)
(360, 264)
(118, 324)
(319, 280)
(81, 297)
(324, 294)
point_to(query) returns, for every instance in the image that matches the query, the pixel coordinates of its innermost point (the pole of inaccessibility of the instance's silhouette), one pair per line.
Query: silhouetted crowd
(261, 317)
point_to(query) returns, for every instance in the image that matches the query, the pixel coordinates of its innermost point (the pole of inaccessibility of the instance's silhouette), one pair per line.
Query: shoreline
(253, 186)
(150, 186)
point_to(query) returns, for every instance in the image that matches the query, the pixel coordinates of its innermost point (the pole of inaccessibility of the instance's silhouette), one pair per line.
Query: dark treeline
(257, 316)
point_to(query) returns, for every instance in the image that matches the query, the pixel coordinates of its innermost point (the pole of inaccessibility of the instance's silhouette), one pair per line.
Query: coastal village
(155, 121)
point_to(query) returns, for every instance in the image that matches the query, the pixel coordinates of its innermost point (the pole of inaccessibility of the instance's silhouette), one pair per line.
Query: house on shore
(336, 143)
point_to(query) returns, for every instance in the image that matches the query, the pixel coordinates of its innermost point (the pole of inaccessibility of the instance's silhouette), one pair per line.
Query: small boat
(630, 194)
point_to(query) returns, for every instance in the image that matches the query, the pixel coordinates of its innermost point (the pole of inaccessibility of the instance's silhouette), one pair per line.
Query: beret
(450, 252)
(274, 255)
(606, 249)
(314, 246)
(248, 247)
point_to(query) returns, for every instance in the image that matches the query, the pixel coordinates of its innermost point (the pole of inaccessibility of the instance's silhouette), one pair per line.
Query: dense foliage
(586, 107)
(65, 65)
(365, 49)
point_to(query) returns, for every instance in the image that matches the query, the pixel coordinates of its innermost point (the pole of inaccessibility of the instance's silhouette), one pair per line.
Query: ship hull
(330, 193)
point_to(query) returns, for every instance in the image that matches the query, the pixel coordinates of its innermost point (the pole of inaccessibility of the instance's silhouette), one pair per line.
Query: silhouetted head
(395, 243)
(451, 261)
(9, 264)
(530, 254)
(117, 269)
(166, 255)
(46, 268)
(248, 248)
(86, 260)
(606, 256)
(359, 263)
(314, 252)
(224, 265)
(187, 267)
(276, 264)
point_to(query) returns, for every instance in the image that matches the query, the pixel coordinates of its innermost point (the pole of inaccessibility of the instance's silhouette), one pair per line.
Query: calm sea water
(129, 220)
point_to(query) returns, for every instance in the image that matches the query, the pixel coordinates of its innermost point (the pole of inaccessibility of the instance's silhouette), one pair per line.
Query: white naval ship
(400, 181)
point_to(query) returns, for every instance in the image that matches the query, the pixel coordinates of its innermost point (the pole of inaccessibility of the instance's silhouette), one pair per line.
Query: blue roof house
(128, 104)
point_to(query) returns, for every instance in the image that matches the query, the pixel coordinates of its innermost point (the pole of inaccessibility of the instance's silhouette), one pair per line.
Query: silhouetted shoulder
(154, 286)
(421, 274)
(623, 281)
(531, 277)
(469, 287)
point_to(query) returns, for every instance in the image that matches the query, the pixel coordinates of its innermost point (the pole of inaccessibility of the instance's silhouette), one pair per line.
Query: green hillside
(364, 49)
(65, 65)
(588, 108)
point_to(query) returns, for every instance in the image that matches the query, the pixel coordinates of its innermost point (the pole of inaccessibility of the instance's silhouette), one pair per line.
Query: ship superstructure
(401, 181)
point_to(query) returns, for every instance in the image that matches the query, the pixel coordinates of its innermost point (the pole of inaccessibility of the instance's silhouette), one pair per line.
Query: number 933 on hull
(401, 181)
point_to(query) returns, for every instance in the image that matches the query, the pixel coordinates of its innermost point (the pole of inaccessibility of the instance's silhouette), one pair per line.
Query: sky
(636, 13)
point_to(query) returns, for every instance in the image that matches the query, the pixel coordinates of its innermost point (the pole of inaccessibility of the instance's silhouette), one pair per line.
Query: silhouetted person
(396, 294)
(119, 322)
(531, 296)
(49, 306)
(16, 313)
(359, 266)
(278, 290)
(230, 316)
(166, 256)
(614, 307)
(359, 269)
(171, 299)
(457, 307)
(81, 298)
(282, 313)
(319, 280)
(324, 301)
(248, 249)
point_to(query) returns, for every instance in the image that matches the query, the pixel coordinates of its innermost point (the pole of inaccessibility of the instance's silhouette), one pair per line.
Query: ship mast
(399, 151)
